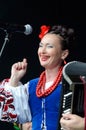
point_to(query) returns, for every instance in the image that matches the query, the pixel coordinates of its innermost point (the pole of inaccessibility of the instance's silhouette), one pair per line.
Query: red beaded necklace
(40, 90)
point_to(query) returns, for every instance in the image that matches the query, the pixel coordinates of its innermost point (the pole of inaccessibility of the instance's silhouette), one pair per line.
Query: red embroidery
(6, 103)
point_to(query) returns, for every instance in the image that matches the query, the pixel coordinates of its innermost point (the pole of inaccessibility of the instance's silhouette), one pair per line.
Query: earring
(65, 62)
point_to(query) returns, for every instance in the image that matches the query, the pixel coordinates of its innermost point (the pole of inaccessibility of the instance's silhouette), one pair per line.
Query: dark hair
(66, 33)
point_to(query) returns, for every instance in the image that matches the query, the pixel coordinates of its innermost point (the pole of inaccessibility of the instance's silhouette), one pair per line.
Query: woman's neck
(51, 74)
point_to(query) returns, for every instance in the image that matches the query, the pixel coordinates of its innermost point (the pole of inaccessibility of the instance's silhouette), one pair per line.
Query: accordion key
(73, 96)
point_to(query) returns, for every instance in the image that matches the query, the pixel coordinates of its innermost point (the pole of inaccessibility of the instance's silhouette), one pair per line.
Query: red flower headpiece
(44, 30)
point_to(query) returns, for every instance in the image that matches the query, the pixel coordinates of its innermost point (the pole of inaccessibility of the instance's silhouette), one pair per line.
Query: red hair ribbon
(44, 30)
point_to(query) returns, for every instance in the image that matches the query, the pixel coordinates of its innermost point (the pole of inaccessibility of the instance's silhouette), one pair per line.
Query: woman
(44, 93)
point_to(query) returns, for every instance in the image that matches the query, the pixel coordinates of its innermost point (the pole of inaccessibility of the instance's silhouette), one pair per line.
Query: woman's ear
(65, 54)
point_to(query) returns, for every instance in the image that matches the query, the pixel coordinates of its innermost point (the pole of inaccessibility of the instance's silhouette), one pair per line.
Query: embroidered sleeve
(16, 107)
(7, 109)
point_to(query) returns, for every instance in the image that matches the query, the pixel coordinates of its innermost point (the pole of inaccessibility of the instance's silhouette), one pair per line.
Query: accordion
(73, 84)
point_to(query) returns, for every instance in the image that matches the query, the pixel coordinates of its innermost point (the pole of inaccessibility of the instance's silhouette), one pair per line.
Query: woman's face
(49, 52)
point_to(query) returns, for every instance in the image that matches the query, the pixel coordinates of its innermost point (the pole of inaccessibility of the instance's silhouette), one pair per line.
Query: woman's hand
(17, 72)
(27, 126)
(72, 122)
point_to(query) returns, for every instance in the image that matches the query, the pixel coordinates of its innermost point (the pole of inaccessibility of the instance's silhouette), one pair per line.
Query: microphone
(26, 29)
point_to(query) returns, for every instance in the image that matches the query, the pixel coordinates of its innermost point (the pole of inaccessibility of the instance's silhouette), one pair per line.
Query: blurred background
(22, 12)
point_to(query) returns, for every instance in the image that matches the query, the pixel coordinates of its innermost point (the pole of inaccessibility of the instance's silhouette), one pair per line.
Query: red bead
(41, 84)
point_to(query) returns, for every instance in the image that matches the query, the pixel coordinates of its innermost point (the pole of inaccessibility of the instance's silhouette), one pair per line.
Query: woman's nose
(43, 49)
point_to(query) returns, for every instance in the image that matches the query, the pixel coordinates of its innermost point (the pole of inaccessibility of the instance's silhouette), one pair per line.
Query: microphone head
(28, 29)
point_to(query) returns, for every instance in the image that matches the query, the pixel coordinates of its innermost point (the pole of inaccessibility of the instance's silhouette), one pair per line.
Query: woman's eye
(49, 46)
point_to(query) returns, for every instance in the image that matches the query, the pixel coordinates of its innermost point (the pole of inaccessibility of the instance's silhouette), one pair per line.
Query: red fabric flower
(44, 30)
